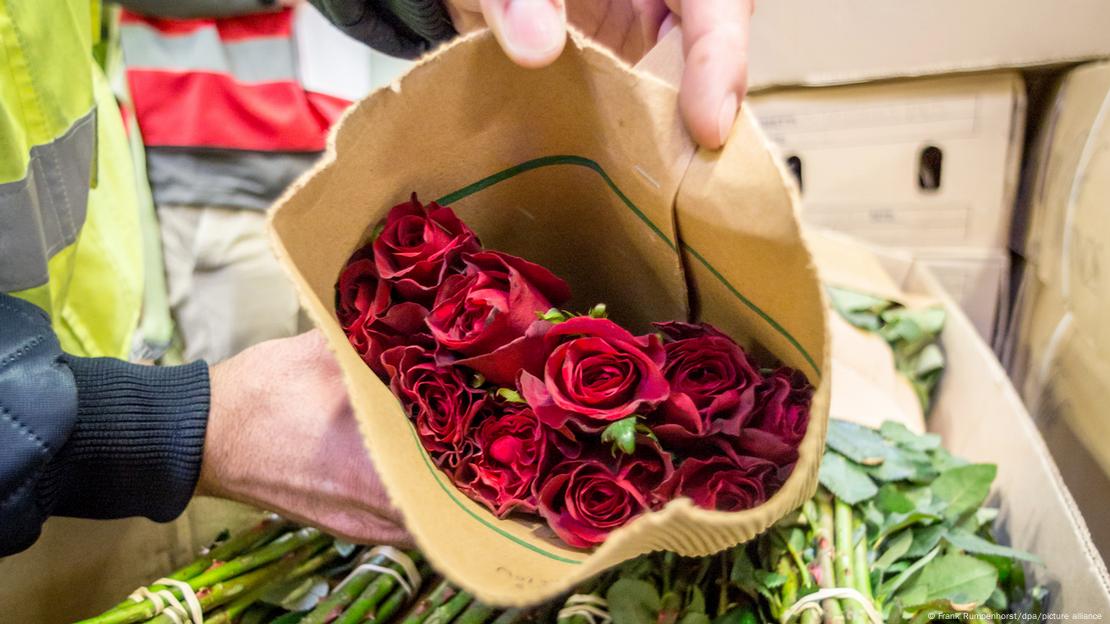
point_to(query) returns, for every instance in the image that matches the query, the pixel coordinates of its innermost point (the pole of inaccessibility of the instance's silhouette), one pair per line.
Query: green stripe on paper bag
(581, 161)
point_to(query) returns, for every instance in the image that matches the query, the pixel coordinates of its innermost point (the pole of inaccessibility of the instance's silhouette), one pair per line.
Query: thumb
(532, 32)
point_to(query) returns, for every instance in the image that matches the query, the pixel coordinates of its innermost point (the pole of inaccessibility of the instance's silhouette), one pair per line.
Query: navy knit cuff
(136, 447)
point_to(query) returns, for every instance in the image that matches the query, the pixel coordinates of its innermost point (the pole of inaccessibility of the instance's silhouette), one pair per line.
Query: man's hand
(281, 436)
(714, 40)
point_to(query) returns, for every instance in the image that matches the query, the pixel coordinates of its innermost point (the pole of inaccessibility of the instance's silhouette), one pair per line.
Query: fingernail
(533, 27)
(727, 117)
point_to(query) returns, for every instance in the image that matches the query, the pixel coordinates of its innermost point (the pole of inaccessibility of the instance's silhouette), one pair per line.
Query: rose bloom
(439, 400)
(400, 325)
(597, 373)
(782, 405)
(511, 448)
(359, 293)
(712, 384)
(585, 499)
(724, 482)
(482, 312)
(418, 246)
(764, 445)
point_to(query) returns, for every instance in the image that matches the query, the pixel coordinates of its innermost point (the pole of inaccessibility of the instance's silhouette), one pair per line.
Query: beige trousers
(226, 289)
(227, 293)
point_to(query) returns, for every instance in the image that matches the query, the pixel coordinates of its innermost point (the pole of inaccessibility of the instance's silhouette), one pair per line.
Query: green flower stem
(844, 554)
(824, 535)
(861, 564)
(475, 613)
(379, 589)
(247, 584)
(445, 613)
(803, 571)
(789, 591)
(435, 598)
(508, 616)
(140, 611)
(342, 596)
(262, 532)
(389, 608)
(237, 607)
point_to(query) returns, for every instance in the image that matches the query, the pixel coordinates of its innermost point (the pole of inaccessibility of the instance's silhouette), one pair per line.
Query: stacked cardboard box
(1058, 345)
(929, 165)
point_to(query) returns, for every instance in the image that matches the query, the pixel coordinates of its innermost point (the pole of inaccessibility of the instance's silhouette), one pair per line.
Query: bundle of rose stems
(897, 532)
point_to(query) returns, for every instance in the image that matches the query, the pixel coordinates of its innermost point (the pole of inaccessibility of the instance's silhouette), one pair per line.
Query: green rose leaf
(964, 488)
(621, 435)
(969, 542)
(510, 395)
(899, 434)
(896, 548)
(846, 480)
(962, 581)
(858, 443)
(633, 601)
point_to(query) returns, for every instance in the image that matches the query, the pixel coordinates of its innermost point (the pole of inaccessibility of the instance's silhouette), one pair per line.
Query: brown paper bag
(585, 168)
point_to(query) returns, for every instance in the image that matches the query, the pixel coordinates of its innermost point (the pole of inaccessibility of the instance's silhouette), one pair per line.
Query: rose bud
(417, 247)
(782, 405)
(439, 400)
(584, 499)
(597, 373)
(721, 482)
(401, 325)
(712, 384)
(491, 304)
(359, 293)
(512, 450)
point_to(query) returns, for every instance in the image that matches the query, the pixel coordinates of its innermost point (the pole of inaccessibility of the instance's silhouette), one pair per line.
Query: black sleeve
(90, 437)
(402, 28)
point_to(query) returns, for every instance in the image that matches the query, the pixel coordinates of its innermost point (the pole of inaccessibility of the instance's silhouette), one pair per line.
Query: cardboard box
(1064, 378)
(980, 417)
(807, 42)
(1058, 346)
(1068, 242)
(978, 280)
(921, 164)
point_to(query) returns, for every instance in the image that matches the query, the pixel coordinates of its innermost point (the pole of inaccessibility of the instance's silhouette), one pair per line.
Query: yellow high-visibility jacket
(70, 239)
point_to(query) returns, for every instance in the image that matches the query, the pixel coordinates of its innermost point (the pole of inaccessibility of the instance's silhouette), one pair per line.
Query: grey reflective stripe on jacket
(222, 177)
(42, 213)
(249, 61)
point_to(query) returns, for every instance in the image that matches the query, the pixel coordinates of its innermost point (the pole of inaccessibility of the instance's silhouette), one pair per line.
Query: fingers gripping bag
(583, 167)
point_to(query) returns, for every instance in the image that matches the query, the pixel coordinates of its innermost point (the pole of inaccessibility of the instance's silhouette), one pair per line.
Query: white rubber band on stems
(594, 608)
(165, 603)
(411, 580)
(813, 601)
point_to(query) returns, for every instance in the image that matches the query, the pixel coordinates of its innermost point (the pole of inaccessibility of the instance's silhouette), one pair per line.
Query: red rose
(418, 245)
(782, 405)
(440, 400)
(721, 482)
(512, 447)
(597, 373)
(491, 304)
(359, 293)
(583, 500)
(764, 445)
(401, 325)
(712, 384)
